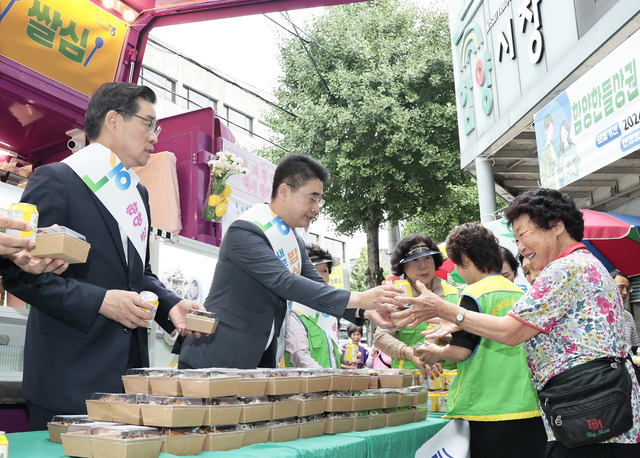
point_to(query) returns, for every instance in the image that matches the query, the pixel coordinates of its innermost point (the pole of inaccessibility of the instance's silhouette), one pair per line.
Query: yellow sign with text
(73, 42)
(336, 278)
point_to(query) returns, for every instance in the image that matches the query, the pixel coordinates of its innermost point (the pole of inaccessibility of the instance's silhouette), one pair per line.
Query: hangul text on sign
(621, 87)
(43, 28)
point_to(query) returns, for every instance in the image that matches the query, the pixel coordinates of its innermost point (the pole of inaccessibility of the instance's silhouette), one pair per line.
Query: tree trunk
(374, 271)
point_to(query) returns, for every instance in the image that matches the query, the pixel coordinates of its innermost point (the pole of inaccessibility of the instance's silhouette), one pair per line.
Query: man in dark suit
(255, 276)
(88, 325)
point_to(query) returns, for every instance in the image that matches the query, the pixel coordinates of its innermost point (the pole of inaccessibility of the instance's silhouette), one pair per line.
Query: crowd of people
(509, 346)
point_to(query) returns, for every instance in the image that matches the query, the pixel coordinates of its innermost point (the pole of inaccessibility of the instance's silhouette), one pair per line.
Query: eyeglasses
(319, 201)
(152, 128)
(625, 288)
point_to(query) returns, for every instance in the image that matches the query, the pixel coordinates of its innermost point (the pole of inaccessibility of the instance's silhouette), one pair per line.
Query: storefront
(513, 58)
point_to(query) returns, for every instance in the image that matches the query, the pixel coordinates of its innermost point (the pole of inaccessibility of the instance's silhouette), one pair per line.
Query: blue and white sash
(284, 244)
(115, 187)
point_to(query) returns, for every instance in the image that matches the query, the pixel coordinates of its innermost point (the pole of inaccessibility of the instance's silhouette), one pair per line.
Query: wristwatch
(460, 316)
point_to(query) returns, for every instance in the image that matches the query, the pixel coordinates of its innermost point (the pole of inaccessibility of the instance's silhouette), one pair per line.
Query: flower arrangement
(225, 165)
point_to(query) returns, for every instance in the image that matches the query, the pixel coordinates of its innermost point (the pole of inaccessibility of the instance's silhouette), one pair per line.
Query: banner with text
(594, 122)
(73, 42)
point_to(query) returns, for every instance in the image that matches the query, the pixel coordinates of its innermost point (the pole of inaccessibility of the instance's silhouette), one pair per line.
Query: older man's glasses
(623, 288)
(319, 201)
(152, 128)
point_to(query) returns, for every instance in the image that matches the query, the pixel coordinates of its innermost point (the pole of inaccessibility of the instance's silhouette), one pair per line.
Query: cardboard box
(60, 245)
(391, 400)
(311, 406)
(99, 407)
(374, 382)
(201, 321)
(283, 385)
(77, 443)
(340, 381)
(336, 425)
(220, 415)
(378, 421)
(183, 444)
(256, 435)
(378, 401)
(106, 447)
(172, 416)
(395, 418)
(252, 386)
(315, 383)
(360, 382)
(419, 397)
(361, 423)
(313, 428)
(420, 413)
(285, 408)
(223, 441)
(209, 386)
(125, 412)
(407, 415)
(395, 378)
(136, 383)
(260, 411)
(165, 385)
(404, 398)
(368, 402)
(60, 424)
(284, 433)
(338, 403)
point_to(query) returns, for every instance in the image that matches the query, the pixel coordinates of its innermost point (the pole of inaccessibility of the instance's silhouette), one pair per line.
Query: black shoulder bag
(589, 403)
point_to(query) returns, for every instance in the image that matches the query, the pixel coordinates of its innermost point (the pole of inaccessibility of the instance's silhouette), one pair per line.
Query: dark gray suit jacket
(249, 291)
(71, 350)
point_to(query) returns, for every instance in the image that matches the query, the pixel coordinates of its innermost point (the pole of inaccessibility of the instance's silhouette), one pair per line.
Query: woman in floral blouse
(571, 315)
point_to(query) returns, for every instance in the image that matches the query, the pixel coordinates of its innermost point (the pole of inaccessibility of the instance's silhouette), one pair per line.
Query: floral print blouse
(576, 306)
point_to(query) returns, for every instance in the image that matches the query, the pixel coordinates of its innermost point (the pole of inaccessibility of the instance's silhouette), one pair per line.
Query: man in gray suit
(262, 265)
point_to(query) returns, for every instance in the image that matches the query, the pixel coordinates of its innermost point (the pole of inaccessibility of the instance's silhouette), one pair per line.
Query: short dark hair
(296, 170)
(314, 251)
(617, 273)
(478, 244)
(508, 256)
(353, 328)
(122, 97)
(546, 206)
(403, 247)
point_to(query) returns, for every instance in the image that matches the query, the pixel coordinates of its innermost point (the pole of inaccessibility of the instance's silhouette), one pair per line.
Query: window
(197, 100)
(238, 119)
(162, 85)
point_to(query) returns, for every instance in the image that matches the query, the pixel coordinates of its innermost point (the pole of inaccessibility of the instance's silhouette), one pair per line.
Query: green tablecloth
(397, 441)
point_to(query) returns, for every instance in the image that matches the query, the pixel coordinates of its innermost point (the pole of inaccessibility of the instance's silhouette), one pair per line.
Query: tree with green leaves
(368, 90)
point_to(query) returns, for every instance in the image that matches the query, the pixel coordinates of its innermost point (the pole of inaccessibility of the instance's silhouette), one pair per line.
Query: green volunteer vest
(319, 344)
(494, 382)
(414, 336)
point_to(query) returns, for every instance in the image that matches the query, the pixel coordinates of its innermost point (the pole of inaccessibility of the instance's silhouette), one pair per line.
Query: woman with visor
(416, 257)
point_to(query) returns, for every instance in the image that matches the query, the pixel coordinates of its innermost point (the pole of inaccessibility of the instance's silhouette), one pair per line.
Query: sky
(244, 48)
